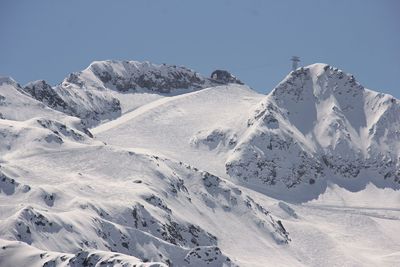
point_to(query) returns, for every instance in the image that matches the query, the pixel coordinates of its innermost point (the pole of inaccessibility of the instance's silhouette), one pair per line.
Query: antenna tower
(295, 62)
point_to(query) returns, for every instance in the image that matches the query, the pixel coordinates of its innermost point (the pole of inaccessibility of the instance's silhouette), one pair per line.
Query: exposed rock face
(224, 77)
(131, 75)
(319, 120)
(42, 91)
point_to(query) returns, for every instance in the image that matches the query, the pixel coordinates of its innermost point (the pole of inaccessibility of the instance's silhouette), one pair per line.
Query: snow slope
(179, 127)
(91, 197)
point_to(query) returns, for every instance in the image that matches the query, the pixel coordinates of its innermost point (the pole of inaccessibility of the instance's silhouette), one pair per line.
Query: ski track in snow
(139, 111)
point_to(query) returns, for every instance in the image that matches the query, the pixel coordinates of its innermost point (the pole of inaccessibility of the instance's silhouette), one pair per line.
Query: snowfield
(137, 164)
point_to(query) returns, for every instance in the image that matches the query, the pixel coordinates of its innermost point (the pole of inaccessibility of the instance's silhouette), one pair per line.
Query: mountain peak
(317, 81)
(7, 80)
(317, 69)
(329, 120)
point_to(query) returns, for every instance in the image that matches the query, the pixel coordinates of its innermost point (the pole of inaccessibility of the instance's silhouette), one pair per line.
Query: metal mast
(295, 61)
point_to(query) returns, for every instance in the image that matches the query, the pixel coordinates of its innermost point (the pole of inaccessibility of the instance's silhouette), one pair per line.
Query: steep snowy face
(319, 122)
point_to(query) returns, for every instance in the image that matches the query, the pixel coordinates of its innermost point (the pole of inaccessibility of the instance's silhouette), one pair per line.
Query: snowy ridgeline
(135, 164)
(98, 93)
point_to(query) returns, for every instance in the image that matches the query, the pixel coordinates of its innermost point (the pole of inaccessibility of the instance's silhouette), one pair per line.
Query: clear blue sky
(253, 39)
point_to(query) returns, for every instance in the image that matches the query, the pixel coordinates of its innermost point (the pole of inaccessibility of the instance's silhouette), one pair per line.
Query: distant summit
(95, 93)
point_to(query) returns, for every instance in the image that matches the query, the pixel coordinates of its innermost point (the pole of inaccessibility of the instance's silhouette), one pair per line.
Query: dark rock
(224, 77)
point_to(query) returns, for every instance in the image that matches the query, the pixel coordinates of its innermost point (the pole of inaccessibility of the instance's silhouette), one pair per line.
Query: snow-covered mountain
(317, 123)
(182, 170)
(106, 89)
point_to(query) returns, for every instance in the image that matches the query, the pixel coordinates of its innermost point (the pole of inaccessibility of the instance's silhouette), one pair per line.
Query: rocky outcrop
(42, 91)
(224, 77)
